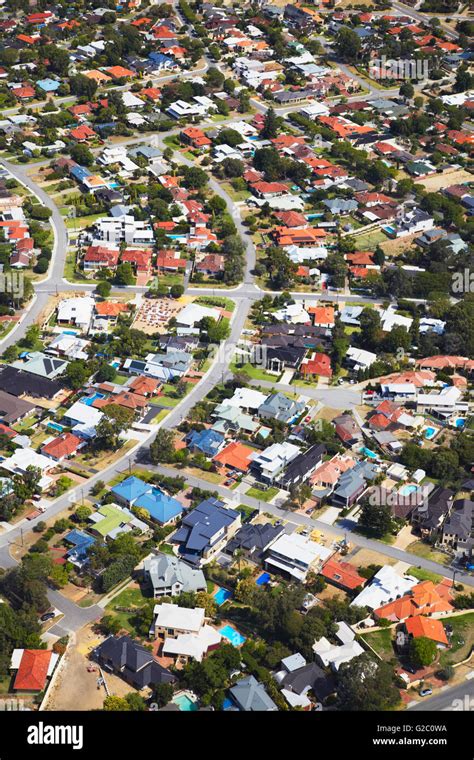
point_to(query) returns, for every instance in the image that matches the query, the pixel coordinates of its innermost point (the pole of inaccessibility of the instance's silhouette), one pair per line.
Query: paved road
(346, 530)
(455, 699)
(335, 398)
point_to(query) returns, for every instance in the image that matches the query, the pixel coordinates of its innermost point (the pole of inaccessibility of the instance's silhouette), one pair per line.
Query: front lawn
(424, 575)
(258, 493)
(255, 373)
(381, 642)
(462, 639)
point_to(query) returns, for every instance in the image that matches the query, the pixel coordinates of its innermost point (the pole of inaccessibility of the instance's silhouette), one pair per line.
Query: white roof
(192, 644)
(84, 414)
(344, 633)
(194, 312)
(298, 548)
(294, 313)
(78, 310)
(70, 345)
(295, 700)
(402, 389)
(247, 398)
(293, 662)
(386, 585)
(181, 618)
(335, 656)
(276, 456)
(446, 397)
(390, 320)
(359, 356)
(23, 458)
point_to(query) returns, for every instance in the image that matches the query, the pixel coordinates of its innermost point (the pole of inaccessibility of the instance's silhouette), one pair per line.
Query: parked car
(426, 692)
(47, 616)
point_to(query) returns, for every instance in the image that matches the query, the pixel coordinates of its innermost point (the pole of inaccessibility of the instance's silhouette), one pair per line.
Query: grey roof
(164, 571)
(135, 663)
(308, 677)
(280, 407)
(12, 408)
(256, 537)
(461, 520)
(299, 467)
(199, 527)
(250, 696)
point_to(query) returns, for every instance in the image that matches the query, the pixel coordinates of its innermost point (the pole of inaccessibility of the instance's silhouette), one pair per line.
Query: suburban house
(269, 464)
(294, 556)
(169, 576)
(302, 466)
(205, 531)
(133, 492)
(253, 540)
(128, 659)
(281, 408)
(250, 696)
(184, 632)
(62, 447)
(297, 678)
(32, 668)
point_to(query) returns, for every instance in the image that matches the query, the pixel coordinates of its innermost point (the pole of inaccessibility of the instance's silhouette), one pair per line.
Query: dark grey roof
(18, 383)
(299, 467)
(254, 536)
(12, 408)
(460, 522)
(312, 677)
(135, 663)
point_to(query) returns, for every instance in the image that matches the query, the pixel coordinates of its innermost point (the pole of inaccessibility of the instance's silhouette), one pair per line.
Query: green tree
(422, 651)
(116, 704)
(376, 519)
(365, 684)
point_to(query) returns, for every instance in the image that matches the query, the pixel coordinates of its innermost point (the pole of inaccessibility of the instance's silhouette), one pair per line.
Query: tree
(82, 513)
(162, 447)
(82, 155)
(77, 372)
(365, 684)
(103, 289)
(407, 90)
(176, 291)
(376, 519)
(136, 702)
(116, 704)
(422, 651)
(162, 694)
(270, 125)
(348, 44)
(124, 274)
(106, 374)
(116, 419)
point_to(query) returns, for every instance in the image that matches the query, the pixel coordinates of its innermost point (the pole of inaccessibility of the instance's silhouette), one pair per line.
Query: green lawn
(381, 642)
(217, 301)
(257, 493)
(424, 575)
(370, 240)
(426, 551)
(462, 639)
(254, 372)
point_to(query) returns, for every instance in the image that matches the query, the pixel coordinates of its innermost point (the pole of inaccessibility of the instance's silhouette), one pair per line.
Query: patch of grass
(254, 372)
(424, 575)
(426, 551)
(258, 493)
(462, 639)
(381, 642)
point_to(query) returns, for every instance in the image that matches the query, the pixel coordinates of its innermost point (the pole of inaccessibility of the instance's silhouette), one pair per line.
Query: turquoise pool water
(460, 422)
(430, 432)
(90, 399)
(55, 426)
(407, 490)
(232, 635)
(185, 703)
(263, 579)
(369, 453)
(222, 595)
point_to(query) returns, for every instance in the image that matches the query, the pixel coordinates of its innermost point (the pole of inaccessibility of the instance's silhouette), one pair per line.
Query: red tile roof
(62, 446)
(342, 573)
(33, 670)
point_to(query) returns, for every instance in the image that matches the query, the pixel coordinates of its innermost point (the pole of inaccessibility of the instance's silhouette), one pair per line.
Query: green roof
(113, 517)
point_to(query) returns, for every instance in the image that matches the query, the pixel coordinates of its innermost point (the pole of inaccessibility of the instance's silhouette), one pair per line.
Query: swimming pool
(186, 702)
(369, 453)
(89, 400)
(222, 595)
(55, 426)
(430, 432)
(460, 422)
(408, 489)
(232, 635)
(263, 579)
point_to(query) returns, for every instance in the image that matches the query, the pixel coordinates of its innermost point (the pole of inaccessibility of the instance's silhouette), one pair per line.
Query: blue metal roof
(161, 507)
(131, 489)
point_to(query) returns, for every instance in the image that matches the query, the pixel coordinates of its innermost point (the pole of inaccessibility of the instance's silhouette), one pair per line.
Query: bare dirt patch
(449, 177)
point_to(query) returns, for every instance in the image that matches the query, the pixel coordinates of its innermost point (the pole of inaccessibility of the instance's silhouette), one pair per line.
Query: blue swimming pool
(430, 432)
(263, 579)
(232, 635)
(222, 595)
(89, 400)
(55, 426)
(70, 332)
(460, 422)
(408, 489)
(369, 453)
(185, 702)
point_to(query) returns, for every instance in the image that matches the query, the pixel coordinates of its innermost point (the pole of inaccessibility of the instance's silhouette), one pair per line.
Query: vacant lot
(462, 640)
(449, 177)
(381, 642)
